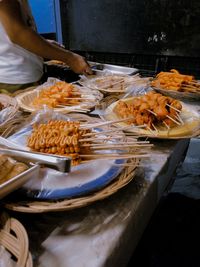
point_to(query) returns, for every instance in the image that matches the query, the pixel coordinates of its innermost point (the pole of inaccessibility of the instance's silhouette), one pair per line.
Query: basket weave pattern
(13, 238)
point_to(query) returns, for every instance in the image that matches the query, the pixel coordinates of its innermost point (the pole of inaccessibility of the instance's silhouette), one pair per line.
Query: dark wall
(162, 27)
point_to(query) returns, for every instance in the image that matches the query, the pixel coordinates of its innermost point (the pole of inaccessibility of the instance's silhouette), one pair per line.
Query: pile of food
(80, 142)
(58, 137)
(151, 110)
(57, 95)
(10, 168)
(175, 81)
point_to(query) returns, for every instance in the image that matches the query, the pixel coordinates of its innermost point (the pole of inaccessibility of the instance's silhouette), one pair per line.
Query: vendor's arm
(20, 34)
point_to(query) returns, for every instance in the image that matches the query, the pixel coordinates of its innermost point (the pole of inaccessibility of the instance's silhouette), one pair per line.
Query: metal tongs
(60, 163)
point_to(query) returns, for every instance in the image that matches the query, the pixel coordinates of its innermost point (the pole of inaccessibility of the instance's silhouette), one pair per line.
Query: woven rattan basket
(14, 239)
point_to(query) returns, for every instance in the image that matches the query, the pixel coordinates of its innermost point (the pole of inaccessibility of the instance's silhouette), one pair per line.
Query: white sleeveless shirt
(17, 65)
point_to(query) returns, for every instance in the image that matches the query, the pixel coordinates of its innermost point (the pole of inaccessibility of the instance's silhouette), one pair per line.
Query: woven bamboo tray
(29, 206)
(14, 239)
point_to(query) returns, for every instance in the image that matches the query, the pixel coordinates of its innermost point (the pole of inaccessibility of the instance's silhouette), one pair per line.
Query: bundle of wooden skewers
(175, 81)
(112, 83)
(151, 111)
(83, 142)
(63, 94)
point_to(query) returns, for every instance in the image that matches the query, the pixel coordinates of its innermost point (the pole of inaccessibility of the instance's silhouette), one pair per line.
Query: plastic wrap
(52, 184)
(111, 83)
(9, 110)
(90, 98)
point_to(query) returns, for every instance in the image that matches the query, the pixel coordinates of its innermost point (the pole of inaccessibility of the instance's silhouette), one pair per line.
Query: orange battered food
(175, 81)
(61, 93)
(150, 109)
(58, 137)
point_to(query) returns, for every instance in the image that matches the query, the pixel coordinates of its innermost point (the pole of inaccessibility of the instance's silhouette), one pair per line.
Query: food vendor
(22, 49)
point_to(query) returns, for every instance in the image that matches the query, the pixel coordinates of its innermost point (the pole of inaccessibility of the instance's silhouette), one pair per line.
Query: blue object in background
(47, 17)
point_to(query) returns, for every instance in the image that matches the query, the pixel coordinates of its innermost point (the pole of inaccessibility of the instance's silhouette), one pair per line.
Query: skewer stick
(173, 108)
(99, 139)
(119, 143)
(154, 127)
(114, 156)
(104, 123)
(129, 165)
(152, 132)
(152, 112)
(168, 128)
(179, 118)
(110, 146)
(114, 130)
(169, 117)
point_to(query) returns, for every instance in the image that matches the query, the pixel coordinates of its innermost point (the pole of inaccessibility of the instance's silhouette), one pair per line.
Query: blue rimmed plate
(82, 180)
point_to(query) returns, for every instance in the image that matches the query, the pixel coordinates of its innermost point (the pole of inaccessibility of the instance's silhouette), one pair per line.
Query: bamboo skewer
(150, 111)
(114, 130)
(179, 119)
(178, 123)
(166, 125)
(154, 127)
(173, 108)
(120, 143)
(99, 139)
(169, 117)
(101, 124)
(114, 156)
(115, 146)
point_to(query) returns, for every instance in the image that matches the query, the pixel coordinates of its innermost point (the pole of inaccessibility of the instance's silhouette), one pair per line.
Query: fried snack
(175, 81)
(58, 137)
(16, 170)
(6, 167)
(10, 168)
(59, 94)
(149, 110)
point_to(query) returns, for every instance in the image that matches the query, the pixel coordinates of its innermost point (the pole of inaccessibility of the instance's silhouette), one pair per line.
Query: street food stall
(85, 159)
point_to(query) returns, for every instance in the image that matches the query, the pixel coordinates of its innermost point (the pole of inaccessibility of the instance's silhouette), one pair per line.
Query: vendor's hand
(79, 65)
(55, 43)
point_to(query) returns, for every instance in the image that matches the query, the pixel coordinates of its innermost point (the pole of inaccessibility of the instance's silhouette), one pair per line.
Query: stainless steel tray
(99, 69)
(17, 181)
(60, 163)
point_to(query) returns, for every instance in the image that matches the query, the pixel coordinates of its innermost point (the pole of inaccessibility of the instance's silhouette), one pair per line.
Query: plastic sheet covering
(52, 184)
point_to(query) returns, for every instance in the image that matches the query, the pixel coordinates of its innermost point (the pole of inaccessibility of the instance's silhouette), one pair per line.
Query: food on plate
(59, 137)
(10, 168)
(112, 83)
(151, 110)
(175, 81)
(59, 94)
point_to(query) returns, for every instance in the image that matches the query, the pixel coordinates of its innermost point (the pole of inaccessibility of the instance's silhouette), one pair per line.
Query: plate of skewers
(113, 83)
(61, 96)
(155, 115)
(99, 154)
(177, 85)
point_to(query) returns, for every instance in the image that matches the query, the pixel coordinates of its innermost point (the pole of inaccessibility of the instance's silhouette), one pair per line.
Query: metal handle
(60, 163)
